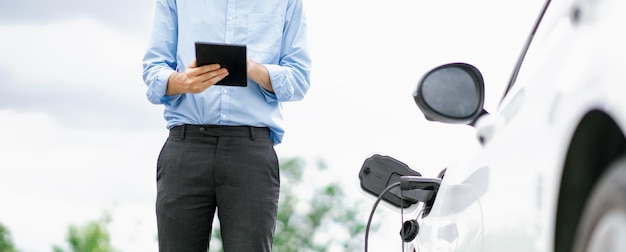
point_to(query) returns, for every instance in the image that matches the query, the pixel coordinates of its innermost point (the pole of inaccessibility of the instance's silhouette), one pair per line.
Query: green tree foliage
(91, 237)
(324, 220)
(6, 241)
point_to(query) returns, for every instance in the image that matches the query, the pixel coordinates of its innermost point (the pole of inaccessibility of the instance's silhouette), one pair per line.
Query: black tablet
(229, 56)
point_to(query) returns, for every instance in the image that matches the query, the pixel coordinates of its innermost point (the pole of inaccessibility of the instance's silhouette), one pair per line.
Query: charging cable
(380, 197)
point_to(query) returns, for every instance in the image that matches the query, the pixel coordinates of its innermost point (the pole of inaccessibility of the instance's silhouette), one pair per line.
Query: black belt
(189, 130)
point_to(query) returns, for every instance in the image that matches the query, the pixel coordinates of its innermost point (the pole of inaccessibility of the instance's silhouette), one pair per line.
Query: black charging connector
(378, 172)
(418, 182)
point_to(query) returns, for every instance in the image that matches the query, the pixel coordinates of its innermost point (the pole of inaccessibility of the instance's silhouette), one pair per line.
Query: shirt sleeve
(291, 77)
(159, 60)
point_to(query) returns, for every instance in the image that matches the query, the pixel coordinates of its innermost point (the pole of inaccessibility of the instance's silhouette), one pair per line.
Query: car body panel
(504, 195)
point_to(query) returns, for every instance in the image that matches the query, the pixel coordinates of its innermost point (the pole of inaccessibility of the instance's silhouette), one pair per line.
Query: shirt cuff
(278, 80)
(156, 92)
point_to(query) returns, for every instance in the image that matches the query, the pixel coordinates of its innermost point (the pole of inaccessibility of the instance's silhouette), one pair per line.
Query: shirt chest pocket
(264, 34)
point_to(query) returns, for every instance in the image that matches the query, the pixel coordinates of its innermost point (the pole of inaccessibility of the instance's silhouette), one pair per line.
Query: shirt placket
(229, 36)
(231, 11)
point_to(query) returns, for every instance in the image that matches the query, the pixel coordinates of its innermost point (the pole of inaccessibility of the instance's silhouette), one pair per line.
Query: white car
(550, 173)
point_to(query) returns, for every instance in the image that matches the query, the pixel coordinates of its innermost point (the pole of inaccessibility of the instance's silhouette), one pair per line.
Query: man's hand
(195, 79)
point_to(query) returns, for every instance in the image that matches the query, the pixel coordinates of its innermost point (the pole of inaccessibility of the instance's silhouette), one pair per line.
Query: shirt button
(225, 91)
(230, 17)
(223, 116)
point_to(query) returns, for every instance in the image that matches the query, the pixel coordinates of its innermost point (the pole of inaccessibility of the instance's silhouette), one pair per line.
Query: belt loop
(251, 133)
(183, 132)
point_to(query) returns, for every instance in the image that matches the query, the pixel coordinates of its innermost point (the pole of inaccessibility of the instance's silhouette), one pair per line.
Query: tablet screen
(229, 56)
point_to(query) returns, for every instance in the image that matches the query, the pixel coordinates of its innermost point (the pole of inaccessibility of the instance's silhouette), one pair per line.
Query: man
(219, 155)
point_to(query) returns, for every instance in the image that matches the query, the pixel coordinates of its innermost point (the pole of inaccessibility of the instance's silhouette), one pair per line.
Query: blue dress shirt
(274, 32)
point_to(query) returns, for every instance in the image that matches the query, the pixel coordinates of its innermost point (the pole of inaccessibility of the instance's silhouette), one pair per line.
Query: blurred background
(79, 140)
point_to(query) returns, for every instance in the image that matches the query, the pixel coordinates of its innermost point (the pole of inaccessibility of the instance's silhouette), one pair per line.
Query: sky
(78, 137)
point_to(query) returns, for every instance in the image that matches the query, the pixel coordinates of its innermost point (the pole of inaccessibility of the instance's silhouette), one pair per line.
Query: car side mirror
(451, 93)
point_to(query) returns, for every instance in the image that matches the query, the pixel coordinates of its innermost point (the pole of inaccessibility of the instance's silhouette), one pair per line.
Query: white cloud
(81, 52)
(129, 16)
(80, 71)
